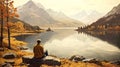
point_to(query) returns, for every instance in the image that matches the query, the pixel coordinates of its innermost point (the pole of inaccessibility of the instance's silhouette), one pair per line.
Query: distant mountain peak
(87, 16)
(33, 13)
(31, 3)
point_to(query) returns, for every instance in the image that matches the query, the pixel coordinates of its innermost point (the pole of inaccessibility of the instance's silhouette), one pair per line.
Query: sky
(71, 7)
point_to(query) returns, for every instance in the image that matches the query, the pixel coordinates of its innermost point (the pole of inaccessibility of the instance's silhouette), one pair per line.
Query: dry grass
(14, 43)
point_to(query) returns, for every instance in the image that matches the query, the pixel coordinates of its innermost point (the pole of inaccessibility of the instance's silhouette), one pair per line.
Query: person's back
(38, 50)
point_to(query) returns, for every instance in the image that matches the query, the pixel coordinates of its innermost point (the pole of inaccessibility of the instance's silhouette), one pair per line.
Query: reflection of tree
(112, 37)
(47, 36)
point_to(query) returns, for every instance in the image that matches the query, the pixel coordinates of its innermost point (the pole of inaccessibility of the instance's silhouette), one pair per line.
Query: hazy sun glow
(71, 7)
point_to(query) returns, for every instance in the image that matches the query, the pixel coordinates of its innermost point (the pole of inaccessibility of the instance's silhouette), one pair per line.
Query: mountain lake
(65, 43)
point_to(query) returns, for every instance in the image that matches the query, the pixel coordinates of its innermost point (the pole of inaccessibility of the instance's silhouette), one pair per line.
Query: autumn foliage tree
(7, 12)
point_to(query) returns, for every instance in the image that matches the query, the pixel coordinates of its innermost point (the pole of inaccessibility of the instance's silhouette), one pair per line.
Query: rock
(23, 48)
(90, 60)
(7, 65)
(48, 60)
(77, 58)
(51, 61)
(49, 29)
(26, 59)
(93, 60)
(9, 56)
(116, 62)
(10, 61)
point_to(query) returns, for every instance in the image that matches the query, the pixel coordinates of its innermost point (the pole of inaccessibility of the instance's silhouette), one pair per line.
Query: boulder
(23, 48)
(77, 58)
(93, 60)
(9, 56)
(116, 62)
(7, 65)
(48, 60)
(27, 59)
(51, 61)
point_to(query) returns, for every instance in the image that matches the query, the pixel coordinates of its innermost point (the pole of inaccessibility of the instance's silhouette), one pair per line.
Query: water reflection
(82, 44)
(112, 37)
(66, 43)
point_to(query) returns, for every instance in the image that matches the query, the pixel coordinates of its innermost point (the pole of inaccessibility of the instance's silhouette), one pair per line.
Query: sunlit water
(66, 43)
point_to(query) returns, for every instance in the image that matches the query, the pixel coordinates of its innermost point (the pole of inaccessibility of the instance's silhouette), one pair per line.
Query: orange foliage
(7, 8)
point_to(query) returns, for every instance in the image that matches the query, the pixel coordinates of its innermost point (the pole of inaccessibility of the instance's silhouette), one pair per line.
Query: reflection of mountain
(86, 17)
(111, 37)
(34, 14)
(31, 39)
(45, 37)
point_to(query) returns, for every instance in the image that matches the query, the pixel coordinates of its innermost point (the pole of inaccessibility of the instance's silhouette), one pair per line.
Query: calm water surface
(67, 42)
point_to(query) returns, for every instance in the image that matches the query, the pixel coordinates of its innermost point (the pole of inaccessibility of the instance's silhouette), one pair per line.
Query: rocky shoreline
(15, 59)
(63, 62)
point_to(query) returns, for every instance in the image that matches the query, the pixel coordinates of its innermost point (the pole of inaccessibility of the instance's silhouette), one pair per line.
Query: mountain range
(35, 14)
(88, 17)
(111, 21)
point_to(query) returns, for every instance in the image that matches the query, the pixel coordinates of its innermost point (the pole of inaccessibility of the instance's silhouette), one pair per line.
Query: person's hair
(38, 41)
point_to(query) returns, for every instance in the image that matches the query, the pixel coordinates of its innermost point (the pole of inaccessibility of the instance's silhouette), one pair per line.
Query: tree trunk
(9, 44)
(1, 44)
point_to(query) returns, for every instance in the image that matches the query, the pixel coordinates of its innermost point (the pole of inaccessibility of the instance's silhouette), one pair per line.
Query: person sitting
(39, 50)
